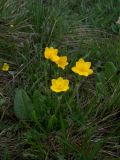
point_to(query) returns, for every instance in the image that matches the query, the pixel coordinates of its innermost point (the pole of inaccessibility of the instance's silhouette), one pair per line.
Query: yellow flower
(82, 68)
(50, 52)
(5, 67)
(62, 62)
(59, 85)
(55, 58)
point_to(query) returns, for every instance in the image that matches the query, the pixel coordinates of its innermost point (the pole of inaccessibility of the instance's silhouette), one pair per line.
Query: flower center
(83, 68)
(60, 86)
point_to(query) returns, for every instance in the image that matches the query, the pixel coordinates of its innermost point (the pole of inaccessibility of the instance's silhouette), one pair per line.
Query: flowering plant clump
(59, 85)
(82, 68)
(52, 54)
(5, 67)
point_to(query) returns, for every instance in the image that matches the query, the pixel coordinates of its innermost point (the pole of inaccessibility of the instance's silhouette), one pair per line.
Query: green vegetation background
(82, 124)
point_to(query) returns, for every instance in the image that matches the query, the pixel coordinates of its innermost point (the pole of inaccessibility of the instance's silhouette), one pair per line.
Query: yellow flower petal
(55, 58)
(88, 64)
(90, 71)
(53, 82)
(60, 79)
(5, 67)
(75, 69)
(81, 60)
(83, 74)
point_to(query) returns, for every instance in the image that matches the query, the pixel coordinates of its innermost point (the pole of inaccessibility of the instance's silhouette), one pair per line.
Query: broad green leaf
(23, 106)
(100, 77)
(101, 88)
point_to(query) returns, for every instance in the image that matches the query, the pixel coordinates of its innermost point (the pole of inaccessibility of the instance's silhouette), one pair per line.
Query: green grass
(81, 124)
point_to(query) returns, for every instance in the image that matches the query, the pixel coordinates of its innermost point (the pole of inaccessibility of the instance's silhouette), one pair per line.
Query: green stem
(76, 92)
(58, 105)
